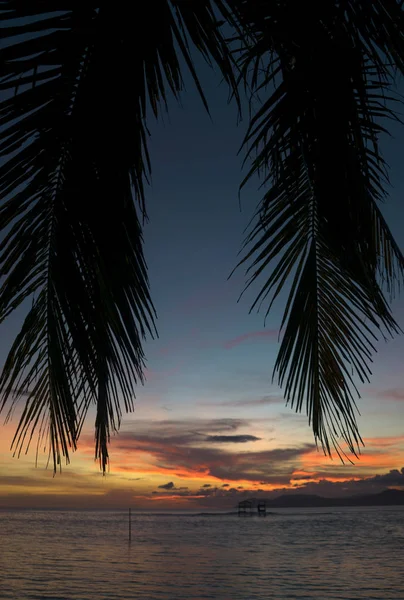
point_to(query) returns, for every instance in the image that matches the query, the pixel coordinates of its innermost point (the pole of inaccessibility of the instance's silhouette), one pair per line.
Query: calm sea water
(300, 554)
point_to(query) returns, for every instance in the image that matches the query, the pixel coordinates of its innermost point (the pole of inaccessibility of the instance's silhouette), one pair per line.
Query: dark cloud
(171, 487)
(180, 492)
(197, 448)
(226, 485)
(368, 485)
(183, 450)
(206, 491)
(166, 486)
(233, 439)
(207, 485)
(227, 498)
(181, 432)
(186, 448)
(174, 436)
(393, 477)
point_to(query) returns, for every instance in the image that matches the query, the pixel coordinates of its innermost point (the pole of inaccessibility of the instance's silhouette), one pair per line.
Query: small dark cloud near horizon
(166, 486)
(207, 485)
(171, 487)
(226, 485)
(208, 492)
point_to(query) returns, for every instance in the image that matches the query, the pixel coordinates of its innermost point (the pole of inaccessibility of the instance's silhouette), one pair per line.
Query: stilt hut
(245, 508)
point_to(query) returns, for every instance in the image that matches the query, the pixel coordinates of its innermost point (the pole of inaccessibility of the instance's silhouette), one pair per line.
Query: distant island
(391, 497)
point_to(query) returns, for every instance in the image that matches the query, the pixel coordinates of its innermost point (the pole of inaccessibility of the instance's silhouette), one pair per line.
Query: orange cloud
(201, 454)
(379, 454)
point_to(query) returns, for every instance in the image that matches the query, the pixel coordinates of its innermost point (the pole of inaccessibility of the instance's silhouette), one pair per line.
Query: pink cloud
(269, 333)
(385, 442)
(392, 394)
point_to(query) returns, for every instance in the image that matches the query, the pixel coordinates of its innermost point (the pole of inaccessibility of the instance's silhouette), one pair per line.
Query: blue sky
(195, 231)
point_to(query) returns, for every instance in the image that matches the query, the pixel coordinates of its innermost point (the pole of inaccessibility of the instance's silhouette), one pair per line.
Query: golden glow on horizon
(137, 474)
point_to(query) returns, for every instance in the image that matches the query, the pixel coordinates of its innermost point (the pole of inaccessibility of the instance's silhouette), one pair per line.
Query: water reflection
(347, 554)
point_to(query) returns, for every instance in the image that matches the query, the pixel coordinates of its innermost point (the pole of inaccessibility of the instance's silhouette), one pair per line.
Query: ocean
(327, 554)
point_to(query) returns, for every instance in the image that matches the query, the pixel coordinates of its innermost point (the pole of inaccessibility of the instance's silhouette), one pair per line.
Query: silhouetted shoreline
(391, 497)
(386, 498)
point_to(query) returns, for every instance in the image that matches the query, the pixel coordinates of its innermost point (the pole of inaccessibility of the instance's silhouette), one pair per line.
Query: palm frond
(79, 84)
(326, 69)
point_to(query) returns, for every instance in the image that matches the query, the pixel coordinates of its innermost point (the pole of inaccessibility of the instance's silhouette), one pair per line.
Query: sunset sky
(209, 428)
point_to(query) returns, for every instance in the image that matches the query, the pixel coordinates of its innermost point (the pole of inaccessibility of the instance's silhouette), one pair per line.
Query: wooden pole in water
(130, 526)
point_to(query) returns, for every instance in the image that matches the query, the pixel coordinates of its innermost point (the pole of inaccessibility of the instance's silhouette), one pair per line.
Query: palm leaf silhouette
(79, 85)
(322, 70)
